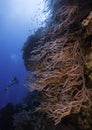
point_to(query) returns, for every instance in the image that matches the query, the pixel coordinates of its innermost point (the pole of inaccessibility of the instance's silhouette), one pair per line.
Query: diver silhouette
(13, 82)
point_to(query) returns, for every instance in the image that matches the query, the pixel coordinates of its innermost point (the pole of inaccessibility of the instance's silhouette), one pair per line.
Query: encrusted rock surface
(59, 57)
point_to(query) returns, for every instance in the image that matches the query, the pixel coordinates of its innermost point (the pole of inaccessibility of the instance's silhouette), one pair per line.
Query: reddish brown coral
(58, 65)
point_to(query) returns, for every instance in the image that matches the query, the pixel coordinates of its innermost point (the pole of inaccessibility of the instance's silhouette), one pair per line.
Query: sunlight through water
(18, 20)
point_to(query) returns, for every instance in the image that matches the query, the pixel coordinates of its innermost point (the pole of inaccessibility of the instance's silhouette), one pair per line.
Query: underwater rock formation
(59, 59)
(6, 117)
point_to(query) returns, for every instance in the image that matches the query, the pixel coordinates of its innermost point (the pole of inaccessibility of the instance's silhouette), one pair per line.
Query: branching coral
(58, 67)
(61, 77)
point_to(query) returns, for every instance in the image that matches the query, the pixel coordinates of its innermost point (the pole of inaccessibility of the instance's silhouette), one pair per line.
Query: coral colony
(57, 60)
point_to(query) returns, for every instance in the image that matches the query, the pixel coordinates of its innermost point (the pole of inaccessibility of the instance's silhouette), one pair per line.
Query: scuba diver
(13, 82)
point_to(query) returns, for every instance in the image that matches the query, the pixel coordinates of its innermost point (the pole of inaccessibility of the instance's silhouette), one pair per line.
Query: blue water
(16, 24)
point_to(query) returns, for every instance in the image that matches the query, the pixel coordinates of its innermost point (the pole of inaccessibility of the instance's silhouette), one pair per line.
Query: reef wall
(59, 57)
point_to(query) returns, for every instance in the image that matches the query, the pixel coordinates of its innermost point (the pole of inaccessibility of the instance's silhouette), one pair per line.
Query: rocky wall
(59, 57)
